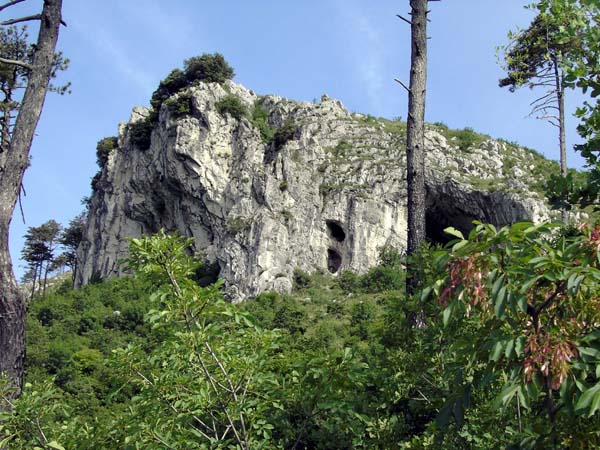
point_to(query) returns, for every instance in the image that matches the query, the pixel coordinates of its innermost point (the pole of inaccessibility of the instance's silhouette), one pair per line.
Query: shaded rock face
(327, 199)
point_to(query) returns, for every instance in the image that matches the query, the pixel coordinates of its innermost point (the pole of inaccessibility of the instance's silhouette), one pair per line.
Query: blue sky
(350, 49)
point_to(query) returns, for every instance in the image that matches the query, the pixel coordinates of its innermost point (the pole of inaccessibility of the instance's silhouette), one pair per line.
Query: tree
(38, 251)
(579, 22)
(535, 57)
(70, 239)
(520, 309)
(14, 159)
(415, 136)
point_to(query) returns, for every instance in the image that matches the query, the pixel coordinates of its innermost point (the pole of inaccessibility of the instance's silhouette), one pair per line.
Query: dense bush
(173, 83)
(140, 133)
(284, 134)
(181, 105)
(103, 149)
(259, 119)
(233, 106)
(208, 68)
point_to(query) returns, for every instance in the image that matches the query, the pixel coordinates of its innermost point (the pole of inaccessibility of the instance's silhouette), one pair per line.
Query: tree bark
(560, 97)
(415, 137)
(12, 303)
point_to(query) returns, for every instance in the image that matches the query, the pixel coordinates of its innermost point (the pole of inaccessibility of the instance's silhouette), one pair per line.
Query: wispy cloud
(117, 55)
(167, 23)
(368, 51)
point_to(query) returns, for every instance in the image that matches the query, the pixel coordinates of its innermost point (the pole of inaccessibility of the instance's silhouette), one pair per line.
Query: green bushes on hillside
(342, 362)
(232, 105)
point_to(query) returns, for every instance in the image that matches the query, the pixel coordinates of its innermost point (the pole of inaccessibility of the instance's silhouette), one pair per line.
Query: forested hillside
(156, 361)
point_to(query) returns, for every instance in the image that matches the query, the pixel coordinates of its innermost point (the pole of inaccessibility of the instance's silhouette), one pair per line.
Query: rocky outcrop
(328, 198)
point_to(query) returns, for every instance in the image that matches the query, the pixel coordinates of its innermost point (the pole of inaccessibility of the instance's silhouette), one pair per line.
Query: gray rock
(328, 199)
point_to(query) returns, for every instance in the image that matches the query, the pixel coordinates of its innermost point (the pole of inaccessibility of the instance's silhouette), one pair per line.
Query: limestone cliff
(329, 198)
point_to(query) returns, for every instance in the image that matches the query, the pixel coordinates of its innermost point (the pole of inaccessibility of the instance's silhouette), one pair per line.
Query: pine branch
(22, 19)
(16, 62)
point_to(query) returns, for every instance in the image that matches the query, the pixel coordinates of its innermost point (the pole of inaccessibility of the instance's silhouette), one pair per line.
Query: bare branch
(402, 84)
(16, 62)
(406, 20)
(9, 4)
(22, 19)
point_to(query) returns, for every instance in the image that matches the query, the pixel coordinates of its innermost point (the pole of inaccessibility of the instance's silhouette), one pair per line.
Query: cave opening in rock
(207, 273)
(439, 216)
(335, 230)
(334, 260)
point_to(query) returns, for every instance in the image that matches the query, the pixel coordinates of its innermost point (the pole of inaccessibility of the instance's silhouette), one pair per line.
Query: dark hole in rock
(438, 218)
(336, 231)
(207, 273)
(334, 260)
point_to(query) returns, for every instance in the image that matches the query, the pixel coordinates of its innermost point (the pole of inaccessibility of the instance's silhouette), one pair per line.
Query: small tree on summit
(207, 68)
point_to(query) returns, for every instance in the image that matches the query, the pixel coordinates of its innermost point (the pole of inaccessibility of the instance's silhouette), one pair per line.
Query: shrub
(231, 105)
(95, 183)
(174, 82)
(284, 134)
(466, 138)
(301, 279)
(209, 68)
(383, 278)
(349, 281)
(181, 105)
(103, 149)
(342, 148)
(140, 134)
(259, 120)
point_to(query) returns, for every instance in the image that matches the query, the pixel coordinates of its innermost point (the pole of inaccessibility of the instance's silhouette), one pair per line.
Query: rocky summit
(279, 185)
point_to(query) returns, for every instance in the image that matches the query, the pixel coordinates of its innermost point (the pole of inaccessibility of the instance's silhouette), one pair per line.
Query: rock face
(329, 198)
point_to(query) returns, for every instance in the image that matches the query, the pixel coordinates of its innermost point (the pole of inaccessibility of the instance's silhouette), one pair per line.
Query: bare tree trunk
(415, 138)
(45, 278)
(560, 97)
(14, 163)
(35, 272)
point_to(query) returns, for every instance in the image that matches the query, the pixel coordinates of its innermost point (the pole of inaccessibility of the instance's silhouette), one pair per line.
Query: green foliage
(181, 105)
(208, 68)
(578, 22)
(260, 117)
(518, 308)
(103, 149)
(342, 362)
(284, 134)
(232, 105)
(172, 84)
(465, 138)
(140, 133)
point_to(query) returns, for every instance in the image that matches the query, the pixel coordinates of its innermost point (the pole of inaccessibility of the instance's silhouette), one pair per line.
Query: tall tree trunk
(12, 303)
(45, 278)
(35, 272)
(415, 137)
(560, 97)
